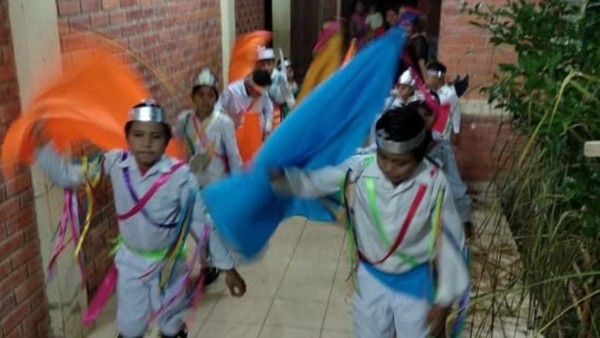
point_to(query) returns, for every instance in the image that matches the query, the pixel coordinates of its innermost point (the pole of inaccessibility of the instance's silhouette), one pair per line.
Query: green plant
(550, 192)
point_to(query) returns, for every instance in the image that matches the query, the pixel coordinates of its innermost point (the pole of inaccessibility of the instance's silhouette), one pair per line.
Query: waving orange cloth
(87, 103)
(245, 54)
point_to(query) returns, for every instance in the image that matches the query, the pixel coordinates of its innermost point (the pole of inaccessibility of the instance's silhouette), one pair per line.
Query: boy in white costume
(409, 239)
(208, 133)
(151, 192)
(435, 77)
(209, 137)
(279, 91)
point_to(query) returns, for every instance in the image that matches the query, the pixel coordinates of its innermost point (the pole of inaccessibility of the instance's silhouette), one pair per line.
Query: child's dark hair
(167, 128)
(436, 67)
(261, 77)
(197, 88)
(402, 124)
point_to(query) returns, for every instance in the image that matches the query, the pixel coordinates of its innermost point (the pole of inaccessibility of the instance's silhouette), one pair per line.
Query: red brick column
(464, 48)
(249, 15)
(23, 306)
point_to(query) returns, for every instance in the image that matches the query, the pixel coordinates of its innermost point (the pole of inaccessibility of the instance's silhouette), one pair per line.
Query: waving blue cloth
(325, 129)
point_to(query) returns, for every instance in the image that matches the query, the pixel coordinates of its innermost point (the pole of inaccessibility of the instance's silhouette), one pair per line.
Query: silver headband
(149, 113)
(436, 73)
(395, 147)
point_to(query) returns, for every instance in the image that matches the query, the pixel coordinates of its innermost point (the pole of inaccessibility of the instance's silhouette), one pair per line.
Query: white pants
(379, 312)
(138, 298)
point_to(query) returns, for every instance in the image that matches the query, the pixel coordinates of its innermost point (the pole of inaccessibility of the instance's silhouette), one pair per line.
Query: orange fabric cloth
(89, 102)
(245, 54)
(249, 136)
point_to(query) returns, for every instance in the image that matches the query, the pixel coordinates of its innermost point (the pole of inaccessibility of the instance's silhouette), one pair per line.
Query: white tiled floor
(298, 289)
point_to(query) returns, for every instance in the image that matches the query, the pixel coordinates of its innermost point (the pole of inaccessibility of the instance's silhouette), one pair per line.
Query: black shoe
(211, 275)
(182, 334)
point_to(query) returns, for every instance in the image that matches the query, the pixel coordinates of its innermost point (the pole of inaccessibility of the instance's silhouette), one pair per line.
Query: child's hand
(278, 180)
(436, 318)
(235, 283)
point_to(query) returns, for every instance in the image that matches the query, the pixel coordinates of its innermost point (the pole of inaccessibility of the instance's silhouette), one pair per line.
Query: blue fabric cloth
(417, 282)
(323, 130)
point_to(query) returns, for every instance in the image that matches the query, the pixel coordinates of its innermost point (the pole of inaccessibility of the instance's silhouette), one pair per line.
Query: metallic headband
(148, 114)
(395, 147)
(436, 73)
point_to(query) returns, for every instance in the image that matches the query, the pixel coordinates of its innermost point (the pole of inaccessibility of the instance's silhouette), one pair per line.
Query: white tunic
(220, 132)
(393, 203)
(138, 231)
(447, 95)
(235, 102)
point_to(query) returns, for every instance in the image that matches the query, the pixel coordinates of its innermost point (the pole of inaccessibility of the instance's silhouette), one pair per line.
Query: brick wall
(174, 38)
(249, 16)
(464, 48)
(23, 306)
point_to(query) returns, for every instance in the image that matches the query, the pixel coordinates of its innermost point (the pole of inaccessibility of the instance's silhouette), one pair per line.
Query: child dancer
(209, 135)
(248, 104)
(442, 153)
(279, 90)
(408, 236)
(399, 97)
(154, 195)
(292, 87)
(435, 77)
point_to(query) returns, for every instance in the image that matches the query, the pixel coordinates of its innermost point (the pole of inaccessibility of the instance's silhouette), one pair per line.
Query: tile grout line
(337, 267)
(209, 313)
(262, 327)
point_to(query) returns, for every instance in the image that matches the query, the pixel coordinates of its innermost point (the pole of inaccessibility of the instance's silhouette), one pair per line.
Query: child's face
(428, 116)
(396, 167)
(147, 141)
(204, 99)
(267, 65)
(391, 17)
(359, 7)
(405, 91)
(434, 82)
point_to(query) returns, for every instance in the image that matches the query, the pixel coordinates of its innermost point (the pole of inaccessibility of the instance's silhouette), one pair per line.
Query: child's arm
(66, 174)
(179, 128)
(311, 184)
(231, 148)
(267, 111)
(456, 119)
(451, 266)
(218, 254)
(453, 277)
(61, 172)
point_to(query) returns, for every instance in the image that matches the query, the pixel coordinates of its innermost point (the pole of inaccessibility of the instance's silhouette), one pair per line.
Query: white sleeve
(218, 253)
(61, 172)
(456, 114)
(453, 275)
(231, 148)
(317, 183)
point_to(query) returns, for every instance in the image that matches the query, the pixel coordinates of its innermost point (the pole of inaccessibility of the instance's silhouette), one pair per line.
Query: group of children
(405, 201)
